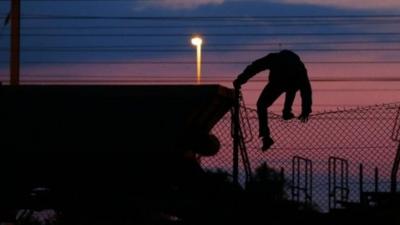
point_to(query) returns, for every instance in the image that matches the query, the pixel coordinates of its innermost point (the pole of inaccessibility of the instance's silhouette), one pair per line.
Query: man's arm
(252, 69)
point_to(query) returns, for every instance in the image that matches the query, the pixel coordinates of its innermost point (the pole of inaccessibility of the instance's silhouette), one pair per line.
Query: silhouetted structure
(108, 152)
(287, 75)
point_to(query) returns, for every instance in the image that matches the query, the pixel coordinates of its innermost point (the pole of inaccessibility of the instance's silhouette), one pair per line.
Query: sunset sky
(351, 48)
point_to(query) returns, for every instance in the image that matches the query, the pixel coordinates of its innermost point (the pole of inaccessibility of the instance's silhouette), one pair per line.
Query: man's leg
(287, 108)
(267, 97)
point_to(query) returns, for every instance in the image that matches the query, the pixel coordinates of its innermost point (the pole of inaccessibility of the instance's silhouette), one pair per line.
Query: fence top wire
(360, 134)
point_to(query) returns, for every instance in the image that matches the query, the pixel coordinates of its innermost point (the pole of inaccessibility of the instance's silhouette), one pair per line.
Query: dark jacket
(287, 72)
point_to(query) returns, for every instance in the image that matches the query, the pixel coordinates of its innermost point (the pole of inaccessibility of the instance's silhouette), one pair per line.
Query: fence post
(361, 183)
(236, 124)
(396, 162)
(395, 169)
(376, 175)
(282, 174)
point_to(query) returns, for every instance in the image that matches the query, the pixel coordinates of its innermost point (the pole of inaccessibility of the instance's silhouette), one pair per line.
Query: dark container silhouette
(106, 150)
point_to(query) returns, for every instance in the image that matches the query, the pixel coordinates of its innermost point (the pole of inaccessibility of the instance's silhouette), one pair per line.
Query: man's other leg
(287, 108)
(267, 97)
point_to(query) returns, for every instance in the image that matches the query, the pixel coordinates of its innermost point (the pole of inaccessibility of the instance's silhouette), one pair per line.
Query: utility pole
(15, 17)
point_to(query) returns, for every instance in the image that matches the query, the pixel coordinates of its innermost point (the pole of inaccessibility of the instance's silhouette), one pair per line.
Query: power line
(231, 17)
(141, 50)
(340, 90)
(150, 62)
(381, 17)
(212, 34)
(187, 78)
(212, 26)
(94, 1)
(352, 42)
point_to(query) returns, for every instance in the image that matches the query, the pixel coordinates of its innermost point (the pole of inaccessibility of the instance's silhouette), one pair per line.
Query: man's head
(289, 55)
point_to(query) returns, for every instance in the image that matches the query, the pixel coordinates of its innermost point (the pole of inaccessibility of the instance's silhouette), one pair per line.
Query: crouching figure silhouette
(287, 75)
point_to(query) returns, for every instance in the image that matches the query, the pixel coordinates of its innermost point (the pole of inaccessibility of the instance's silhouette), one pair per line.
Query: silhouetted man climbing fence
(287, 75)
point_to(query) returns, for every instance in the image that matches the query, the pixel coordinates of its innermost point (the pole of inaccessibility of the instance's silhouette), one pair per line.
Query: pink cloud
(345, 4)
(178, 4)
(353, 4)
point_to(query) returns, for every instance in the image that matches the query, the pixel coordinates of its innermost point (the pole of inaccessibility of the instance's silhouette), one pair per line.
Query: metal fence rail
(301, 183)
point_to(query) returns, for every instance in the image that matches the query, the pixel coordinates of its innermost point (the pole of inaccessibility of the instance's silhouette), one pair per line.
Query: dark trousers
(267, 97)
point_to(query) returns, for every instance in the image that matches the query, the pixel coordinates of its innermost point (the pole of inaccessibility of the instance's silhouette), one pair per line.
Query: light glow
(196, 41)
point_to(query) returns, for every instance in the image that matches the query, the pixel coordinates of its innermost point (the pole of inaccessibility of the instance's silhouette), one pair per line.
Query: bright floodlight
(197, 41)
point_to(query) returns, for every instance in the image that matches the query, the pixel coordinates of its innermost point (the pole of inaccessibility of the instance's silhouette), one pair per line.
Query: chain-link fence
(365, 136)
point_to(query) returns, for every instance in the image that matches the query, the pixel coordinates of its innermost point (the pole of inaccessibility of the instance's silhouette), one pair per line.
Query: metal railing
(301, 183)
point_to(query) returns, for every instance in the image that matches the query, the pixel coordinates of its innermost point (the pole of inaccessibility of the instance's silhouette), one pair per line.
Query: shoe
(288, 116)
(267, 143)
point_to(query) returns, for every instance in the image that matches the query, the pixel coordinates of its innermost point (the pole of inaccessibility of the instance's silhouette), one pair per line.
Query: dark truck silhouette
(107, 150)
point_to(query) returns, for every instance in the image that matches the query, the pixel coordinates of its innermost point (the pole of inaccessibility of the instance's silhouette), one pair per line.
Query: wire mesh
(364, 136)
